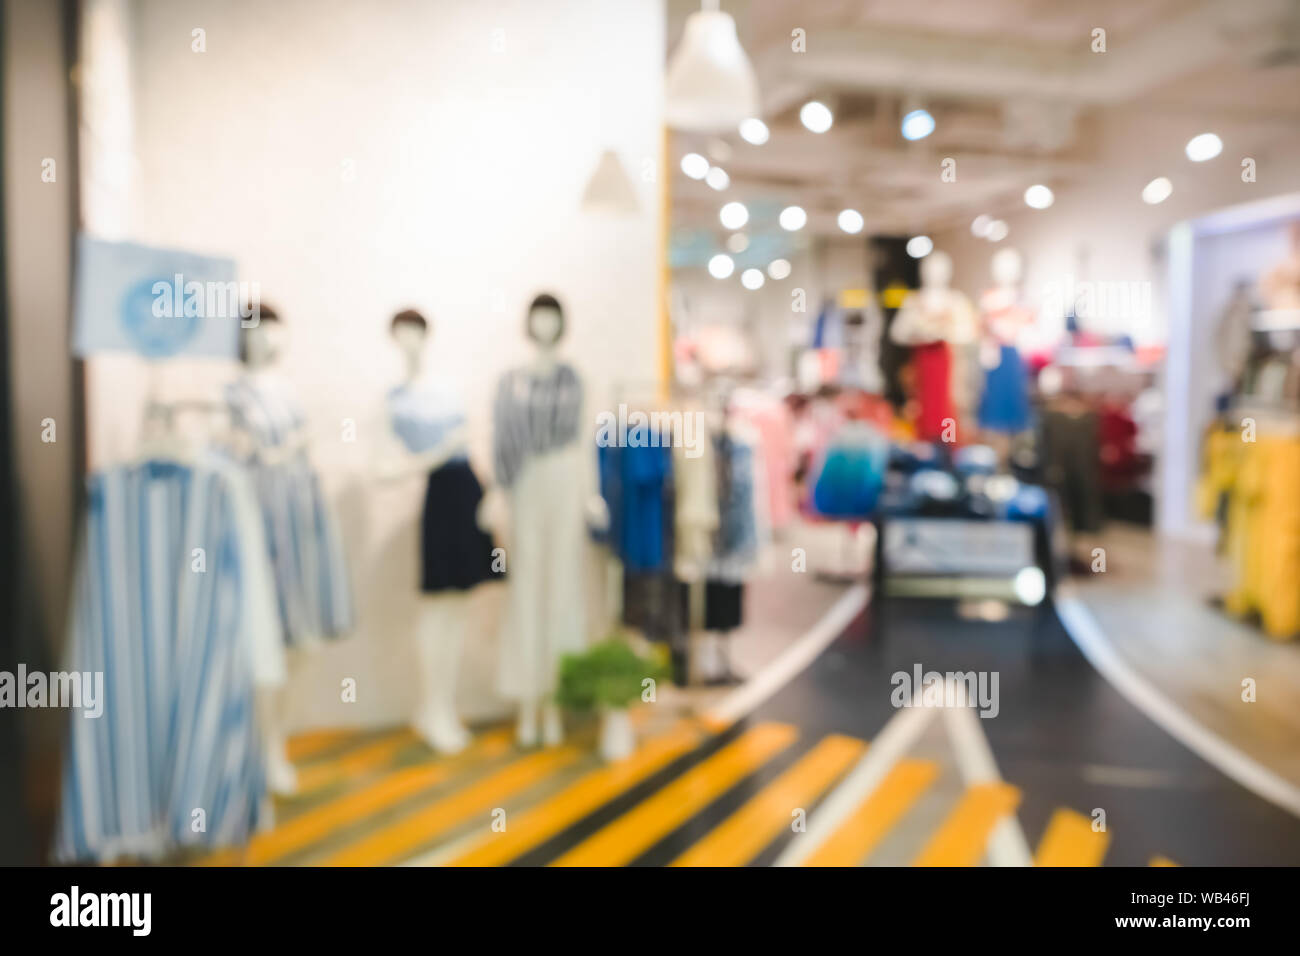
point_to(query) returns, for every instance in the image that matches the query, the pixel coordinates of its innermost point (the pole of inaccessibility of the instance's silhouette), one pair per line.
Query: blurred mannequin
(1281, 285)
(306, 556)
(1004, 405)
(937, 321)
(427, 418)
(544, 462)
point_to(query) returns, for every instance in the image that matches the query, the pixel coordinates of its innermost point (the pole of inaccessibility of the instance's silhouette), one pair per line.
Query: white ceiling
(1017, 93)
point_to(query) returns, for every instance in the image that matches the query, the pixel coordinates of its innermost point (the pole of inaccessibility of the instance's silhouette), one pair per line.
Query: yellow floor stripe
(639, 828)
(875, 816)
(533, 827)
(963, 837)
(1069, 840)
(744, 834)
(398, 840)
(309, 743)
(372, 756)
(316, 824)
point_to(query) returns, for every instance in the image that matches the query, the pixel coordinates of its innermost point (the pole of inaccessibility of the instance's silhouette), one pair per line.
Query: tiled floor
(1153, 603)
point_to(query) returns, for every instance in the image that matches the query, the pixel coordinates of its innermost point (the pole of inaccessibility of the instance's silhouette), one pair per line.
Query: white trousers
(545, 570)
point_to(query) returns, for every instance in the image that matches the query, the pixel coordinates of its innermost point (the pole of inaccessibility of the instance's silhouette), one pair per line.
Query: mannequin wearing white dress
(548, 470)
(428, 420)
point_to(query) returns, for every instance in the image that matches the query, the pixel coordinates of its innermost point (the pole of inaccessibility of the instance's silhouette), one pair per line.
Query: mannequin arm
(395, 469)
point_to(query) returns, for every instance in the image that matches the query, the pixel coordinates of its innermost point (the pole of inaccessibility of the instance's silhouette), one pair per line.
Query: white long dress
(542, 460)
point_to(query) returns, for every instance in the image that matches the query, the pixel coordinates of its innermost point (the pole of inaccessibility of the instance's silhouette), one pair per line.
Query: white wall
(1102, 222)
(358, 158)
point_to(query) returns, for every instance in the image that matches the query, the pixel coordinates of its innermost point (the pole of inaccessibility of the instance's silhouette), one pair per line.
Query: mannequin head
(545, 322)
(936, 270)
(410, 330)
(260, 345)
(1007, 267)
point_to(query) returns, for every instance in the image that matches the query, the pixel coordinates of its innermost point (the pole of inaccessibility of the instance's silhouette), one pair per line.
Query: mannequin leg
(281, 777)
(438, 643)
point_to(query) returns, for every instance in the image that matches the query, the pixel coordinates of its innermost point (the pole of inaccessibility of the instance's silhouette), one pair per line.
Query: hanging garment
(774, 425)
(735, 544)
(455, 553)
(695, 511)
(852, 473)
(1004, 405)
(310, 570)
(546, 608)
(172, 603)
(636, 485)
(933, 367)
(723, 605)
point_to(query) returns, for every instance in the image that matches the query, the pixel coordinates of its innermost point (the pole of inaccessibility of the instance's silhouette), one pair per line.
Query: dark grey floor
(1063, 735)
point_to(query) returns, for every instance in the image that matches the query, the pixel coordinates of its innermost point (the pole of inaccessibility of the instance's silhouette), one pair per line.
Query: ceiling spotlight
(850, 220)
(779, 269)
(733, 215)
(711, 85)
(816, 116)
(792, 218)
(1039, 197)
(1203, 147)
(979, 227)
(721, 266)
(754, 131)
(1157, 191)
(718, 178)
(918, 124)
(695, 165)
(918, 247)
(737, 242)
(752, 279)
(998, 230)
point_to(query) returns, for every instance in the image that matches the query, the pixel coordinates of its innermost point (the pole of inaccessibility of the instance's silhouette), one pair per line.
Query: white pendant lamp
(711, 83)
(610, 192)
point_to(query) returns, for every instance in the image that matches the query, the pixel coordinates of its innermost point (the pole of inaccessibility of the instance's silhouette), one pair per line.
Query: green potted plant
(606, 679)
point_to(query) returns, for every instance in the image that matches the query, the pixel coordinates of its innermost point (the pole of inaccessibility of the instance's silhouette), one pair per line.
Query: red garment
(933, 366)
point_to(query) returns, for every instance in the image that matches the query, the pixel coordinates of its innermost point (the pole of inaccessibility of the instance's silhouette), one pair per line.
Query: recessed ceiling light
(718, 178)
(1039, 197)
(816, 116)
(721, 266)
(779, 269)
(752, 279)
(737, 242)
(754, 131)
(1157, 191)
(918, 124)
(979, 227)
(733, 215)
(1203, 147)
(918, 247)
(792, 218)
(998, 230)
(850, 220)
(695, 165)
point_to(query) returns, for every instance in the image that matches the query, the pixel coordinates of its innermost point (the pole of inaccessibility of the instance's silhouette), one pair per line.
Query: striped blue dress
(175, 759)
(311, 574)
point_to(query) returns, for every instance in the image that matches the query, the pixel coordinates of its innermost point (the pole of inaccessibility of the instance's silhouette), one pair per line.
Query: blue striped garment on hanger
(173, 632)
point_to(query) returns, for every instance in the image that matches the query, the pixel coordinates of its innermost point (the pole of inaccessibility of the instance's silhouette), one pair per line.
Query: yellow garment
(1262, 537)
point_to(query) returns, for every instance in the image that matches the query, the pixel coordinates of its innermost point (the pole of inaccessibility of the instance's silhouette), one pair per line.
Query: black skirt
(455, 553)
(723, 605)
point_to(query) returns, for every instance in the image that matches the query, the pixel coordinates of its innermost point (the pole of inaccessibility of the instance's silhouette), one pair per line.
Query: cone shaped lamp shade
(711, 83)
(609, 192)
